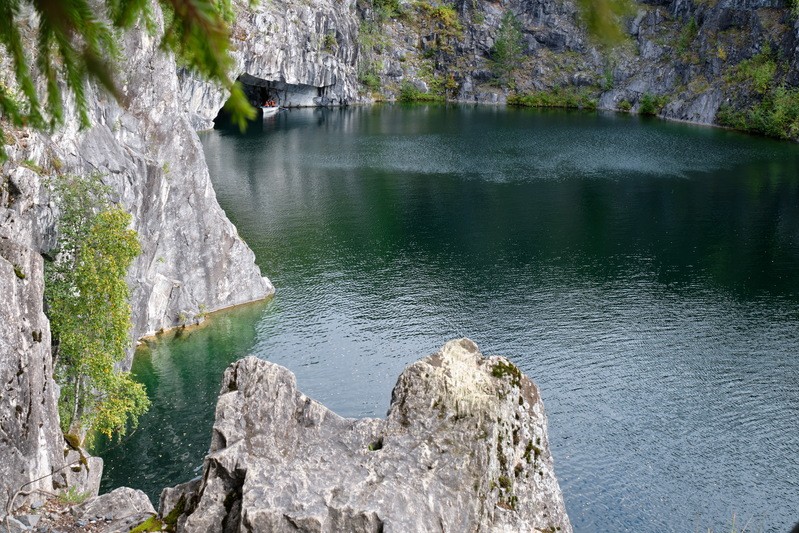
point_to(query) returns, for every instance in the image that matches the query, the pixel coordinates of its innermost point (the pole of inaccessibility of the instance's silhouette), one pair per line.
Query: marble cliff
(693, 58)
(192, 259)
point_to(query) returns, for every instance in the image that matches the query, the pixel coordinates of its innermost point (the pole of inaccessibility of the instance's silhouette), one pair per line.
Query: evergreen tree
(507, 52)
(75, 44)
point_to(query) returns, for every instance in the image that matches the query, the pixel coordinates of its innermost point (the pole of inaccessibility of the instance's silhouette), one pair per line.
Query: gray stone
(9, 524)
(37, 503)
(701, 110)
(125, 524)
(464, 447)
(29, 520)
(176, 500)
(118, 511)
(117, 504)
(305, 53)
(83, 473)
(30, 439)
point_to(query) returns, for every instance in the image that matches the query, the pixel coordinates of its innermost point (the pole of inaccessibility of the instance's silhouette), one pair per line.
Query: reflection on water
(183, 374)
(645, 274)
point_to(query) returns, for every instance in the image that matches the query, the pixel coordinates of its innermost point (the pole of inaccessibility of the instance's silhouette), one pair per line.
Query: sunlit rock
(464, 447)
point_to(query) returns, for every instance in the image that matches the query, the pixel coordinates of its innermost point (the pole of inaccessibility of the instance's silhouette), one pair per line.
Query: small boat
(270, 110)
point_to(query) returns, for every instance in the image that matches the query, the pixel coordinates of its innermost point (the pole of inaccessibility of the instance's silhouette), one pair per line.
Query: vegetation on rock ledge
(567, 97)
(502, 369)
(410, 93)
(507, 52)
(776, 115)
(773, 107)
(87, 303)
(651, 105)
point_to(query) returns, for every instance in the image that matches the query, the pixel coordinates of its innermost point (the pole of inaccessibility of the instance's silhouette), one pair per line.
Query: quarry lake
(645, 274)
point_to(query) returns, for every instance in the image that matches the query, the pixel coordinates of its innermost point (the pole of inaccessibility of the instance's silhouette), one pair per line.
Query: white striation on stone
(306, 52)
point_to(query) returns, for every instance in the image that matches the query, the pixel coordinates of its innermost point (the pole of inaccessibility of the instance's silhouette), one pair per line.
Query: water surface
(644, 273)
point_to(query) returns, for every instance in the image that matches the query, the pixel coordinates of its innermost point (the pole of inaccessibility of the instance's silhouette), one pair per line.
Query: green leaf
(90, 316)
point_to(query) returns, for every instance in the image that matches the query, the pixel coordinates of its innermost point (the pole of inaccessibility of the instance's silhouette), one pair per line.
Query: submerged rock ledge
(464, 447)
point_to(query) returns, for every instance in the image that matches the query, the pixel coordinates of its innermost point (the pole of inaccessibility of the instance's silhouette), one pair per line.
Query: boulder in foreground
(464, 448)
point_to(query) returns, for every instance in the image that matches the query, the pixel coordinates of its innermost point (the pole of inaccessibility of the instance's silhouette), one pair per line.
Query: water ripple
(645, 274)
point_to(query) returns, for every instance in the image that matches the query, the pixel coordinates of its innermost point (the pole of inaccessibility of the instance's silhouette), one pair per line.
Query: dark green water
(645, 274)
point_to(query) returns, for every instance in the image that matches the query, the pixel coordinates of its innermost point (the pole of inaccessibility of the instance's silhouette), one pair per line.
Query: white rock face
(305, 53)
(30, 439)
(464, 448)
(147, 151)
(192, 260)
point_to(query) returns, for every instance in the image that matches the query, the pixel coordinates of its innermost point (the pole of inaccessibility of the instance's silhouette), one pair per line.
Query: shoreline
(475, 103)
(204, 321)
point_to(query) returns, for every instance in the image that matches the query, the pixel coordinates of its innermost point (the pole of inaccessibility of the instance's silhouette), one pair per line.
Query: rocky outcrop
(463, 448)
(683, 61)
(30, 439)
(690, 55)
(422, 47)
(192, 261)
(119, 511)
(296, 52)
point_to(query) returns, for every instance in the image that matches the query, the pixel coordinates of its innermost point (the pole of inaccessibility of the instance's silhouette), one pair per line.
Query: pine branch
(76, 45)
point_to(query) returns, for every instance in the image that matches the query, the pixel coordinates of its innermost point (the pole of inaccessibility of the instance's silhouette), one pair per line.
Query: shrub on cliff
(651, 104)
(776, 115)
(411, 93)
(765, 101)
(87, 303)
(386, 9)
(603, 19)
(507, 52)
(566, 97)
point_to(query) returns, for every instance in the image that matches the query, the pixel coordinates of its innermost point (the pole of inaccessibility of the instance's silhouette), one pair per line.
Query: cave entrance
(259, 90)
